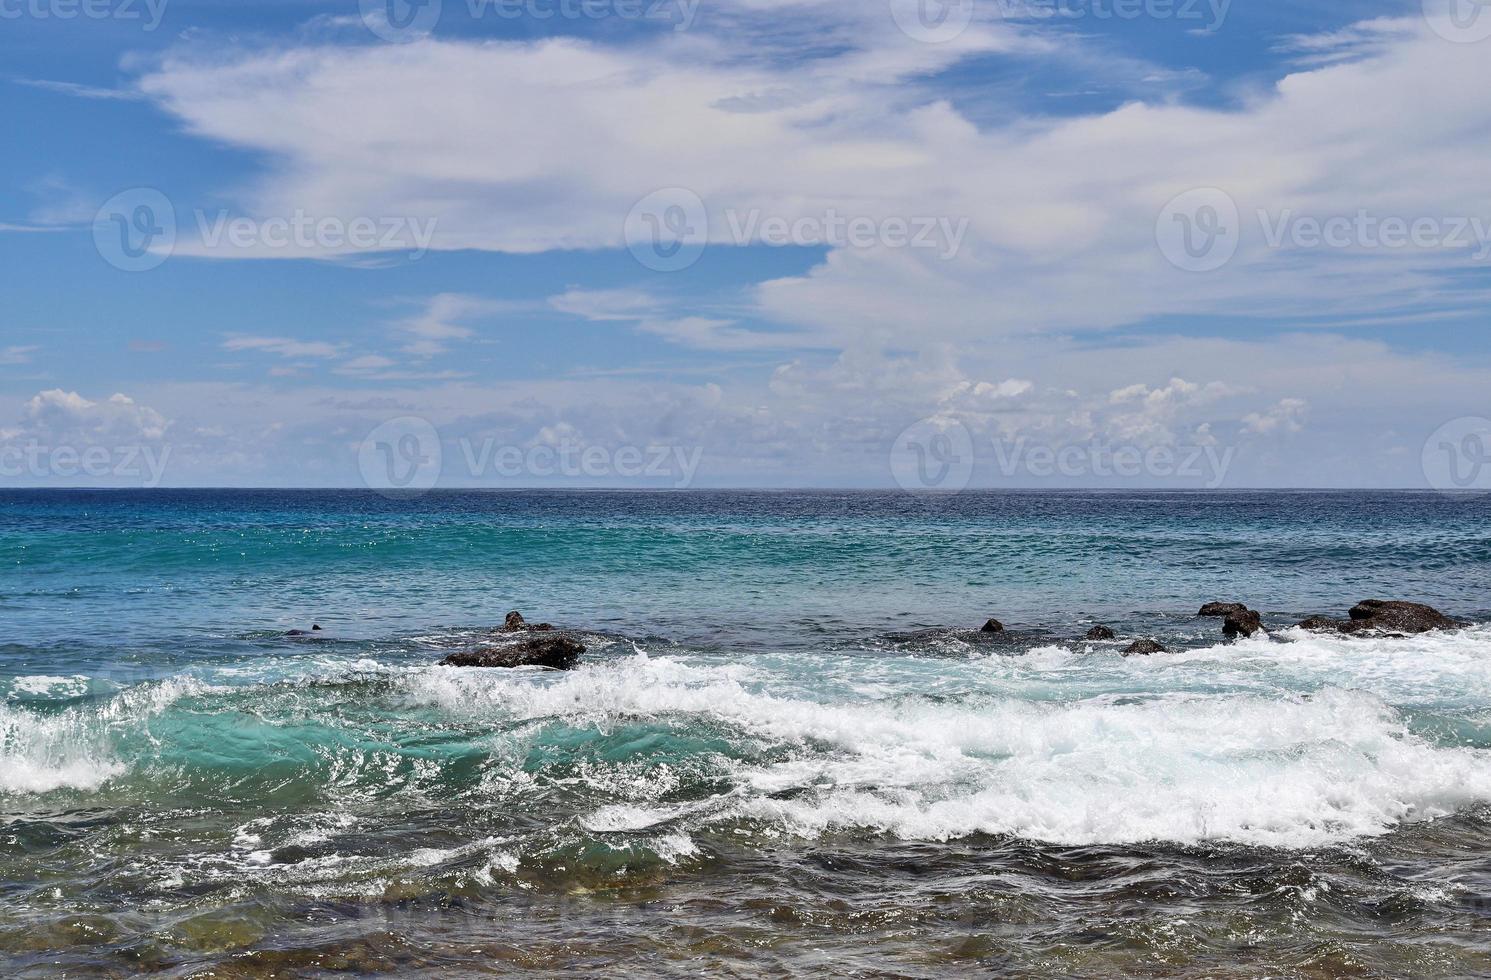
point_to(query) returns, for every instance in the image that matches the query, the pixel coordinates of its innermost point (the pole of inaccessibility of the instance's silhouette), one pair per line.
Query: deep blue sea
(787, 749)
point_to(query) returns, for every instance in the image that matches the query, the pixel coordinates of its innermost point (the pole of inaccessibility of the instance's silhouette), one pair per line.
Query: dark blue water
(786, 748)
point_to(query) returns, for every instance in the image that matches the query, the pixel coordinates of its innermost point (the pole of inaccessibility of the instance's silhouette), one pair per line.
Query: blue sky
(510, 163)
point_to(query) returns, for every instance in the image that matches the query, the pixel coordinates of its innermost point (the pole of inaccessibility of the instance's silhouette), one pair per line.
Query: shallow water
(785, 751)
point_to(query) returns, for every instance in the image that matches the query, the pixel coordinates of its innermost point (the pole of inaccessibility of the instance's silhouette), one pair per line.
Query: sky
(933, 244)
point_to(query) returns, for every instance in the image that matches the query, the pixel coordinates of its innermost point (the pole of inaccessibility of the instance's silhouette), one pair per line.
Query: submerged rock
(554, 652)
(1220, 609)
(1245, 623)
(1101, 633)
(1383, 616)
(314, 629)
(993, 626)
(1143, 648)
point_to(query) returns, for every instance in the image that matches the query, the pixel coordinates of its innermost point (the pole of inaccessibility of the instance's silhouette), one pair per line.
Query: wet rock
(993, 626)
(314, 629)
(1221, 609)
(1101, 633)
(515, 623)
(554, 652)
(1143, 648)
(1383, 616)
(1245, 623)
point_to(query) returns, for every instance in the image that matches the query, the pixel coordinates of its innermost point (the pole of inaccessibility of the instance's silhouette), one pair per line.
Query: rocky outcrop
(1383, 616)
(515, 623)
(1245, 623)
(1143, 648)
(553, 652)
(993, 626)
(1220, 609)
(1101, 633)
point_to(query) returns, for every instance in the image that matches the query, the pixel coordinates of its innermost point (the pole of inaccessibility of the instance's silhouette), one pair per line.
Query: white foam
(1268, 767)
(73, 749)
(47, 686)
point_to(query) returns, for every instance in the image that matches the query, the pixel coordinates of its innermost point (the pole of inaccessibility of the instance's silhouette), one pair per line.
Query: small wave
(76, 748)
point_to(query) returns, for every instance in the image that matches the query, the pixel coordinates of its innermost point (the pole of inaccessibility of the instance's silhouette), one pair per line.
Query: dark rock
(1381, 616)
(315, 628)
(1244, 623)
(1220, 609)
(554, 652)
(1101, 633)
(993, 626)
(1143, 648)
(1400, 617)
(515, 623)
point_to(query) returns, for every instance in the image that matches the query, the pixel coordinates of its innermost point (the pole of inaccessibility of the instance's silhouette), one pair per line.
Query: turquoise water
(785, 750)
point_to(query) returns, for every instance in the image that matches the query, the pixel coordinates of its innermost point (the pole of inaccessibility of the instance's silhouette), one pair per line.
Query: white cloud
(1057, 243)
(17, 355)
(283, 346)
(57, 416)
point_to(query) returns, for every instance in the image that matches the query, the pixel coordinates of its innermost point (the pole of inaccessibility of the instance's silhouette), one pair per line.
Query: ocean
(787, 750)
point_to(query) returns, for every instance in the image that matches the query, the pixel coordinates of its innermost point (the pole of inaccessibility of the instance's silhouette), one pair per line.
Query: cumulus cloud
(57, 416)
(1055, 243)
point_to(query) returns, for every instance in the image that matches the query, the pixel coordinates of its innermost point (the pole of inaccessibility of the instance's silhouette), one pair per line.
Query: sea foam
(1226, 761)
